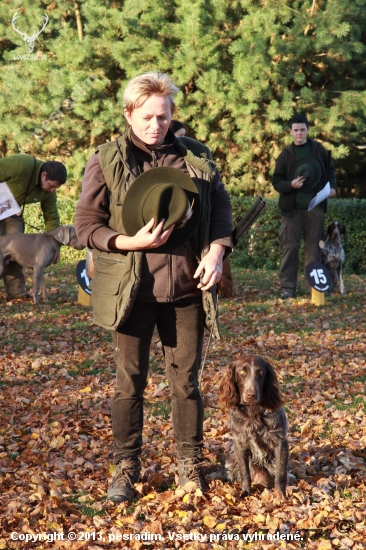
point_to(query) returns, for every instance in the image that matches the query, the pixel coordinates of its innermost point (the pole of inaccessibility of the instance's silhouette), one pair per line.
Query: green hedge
(260, 247)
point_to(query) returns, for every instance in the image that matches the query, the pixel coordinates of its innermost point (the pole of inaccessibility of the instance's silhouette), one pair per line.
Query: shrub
(260, 247)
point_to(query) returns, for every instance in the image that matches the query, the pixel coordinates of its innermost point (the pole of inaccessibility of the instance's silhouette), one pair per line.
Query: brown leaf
(156, 480)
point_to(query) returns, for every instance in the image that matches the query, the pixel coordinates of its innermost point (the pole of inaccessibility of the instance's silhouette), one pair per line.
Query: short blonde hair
(140, 88)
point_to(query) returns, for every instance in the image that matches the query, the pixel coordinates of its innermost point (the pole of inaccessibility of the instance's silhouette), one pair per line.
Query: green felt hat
(163, 193)
(310, 169)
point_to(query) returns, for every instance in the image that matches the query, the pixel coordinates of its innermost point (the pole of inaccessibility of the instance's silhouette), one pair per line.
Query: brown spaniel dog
(258, 423)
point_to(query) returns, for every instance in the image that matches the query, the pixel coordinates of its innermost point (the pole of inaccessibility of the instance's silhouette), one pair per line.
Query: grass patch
(161, 409)
(92, 512)
(361, 379)
(13, 456)
(156, 366)
(85, 507)
(326, 431)
(85, 369)
(341, 406)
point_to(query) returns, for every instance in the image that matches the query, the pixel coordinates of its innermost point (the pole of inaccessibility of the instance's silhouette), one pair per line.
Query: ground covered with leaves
(57, 377)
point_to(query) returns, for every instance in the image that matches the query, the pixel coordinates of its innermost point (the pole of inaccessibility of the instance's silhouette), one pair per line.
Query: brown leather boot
(127, 473)
(190, 469)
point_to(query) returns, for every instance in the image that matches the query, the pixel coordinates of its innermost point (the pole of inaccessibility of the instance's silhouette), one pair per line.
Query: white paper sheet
(321, 196)
(8, 204)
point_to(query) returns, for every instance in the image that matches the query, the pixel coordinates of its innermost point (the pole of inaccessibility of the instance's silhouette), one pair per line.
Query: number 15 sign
(318, 276)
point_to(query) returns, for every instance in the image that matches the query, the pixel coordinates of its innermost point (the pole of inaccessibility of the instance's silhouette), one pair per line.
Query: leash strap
(33, 227)
(242, 227)
(203, 362)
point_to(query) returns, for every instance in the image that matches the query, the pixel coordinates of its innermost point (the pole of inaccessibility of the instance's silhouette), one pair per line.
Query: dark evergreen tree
(244, 68)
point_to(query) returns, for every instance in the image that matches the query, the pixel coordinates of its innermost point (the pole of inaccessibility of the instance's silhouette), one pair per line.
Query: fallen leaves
(56, 448)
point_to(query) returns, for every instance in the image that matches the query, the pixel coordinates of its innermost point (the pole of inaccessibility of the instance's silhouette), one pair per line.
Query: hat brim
(309, 183)
(150, 178)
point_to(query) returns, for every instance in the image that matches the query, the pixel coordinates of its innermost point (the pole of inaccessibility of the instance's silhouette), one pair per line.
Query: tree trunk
(3, 148)
(79, 21)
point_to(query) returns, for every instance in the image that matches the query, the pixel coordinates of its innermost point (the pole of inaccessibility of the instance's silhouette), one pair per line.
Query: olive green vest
(117, 275)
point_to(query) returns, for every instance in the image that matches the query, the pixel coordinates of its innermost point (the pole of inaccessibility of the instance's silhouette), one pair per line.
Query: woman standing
(148, 274)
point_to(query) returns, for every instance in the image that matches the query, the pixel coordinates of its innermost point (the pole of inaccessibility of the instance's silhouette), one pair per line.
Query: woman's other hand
(210, 267)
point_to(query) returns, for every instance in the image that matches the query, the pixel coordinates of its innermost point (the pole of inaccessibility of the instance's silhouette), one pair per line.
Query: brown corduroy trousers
(180, 326)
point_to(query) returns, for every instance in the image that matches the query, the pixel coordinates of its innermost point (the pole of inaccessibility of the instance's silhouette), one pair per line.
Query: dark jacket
(281, 176)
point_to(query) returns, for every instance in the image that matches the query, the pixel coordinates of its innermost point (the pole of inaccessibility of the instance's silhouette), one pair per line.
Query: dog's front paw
(244, 493)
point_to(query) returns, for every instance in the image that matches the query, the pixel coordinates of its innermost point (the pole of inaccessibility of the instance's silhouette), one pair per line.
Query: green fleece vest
(117, 275)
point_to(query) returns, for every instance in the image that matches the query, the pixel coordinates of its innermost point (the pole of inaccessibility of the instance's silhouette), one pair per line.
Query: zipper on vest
(154, 158)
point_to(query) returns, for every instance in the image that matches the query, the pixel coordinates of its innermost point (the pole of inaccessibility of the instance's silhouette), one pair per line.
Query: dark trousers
(302, 223)
(180, 326)
(14, 280)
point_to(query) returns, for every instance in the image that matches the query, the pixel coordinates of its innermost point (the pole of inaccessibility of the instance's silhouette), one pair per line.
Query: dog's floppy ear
(64, 234)
(228, 392)
(272, 398)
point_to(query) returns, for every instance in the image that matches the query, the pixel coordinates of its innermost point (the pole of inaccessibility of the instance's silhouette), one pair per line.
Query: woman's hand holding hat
(145, 238)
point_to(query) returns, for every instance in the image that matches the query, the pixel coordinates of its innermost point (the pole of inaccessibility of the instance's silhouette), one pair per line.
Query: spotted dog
(333, 255)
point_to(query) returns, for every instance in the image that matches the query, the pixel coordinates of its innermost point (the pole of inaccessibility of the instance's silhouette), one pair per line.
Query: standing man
(302, 170)
(30, 180)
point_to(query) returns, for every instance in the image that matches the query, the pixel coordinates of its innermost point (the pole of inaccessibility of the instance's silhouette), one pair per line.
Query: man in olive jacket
(296, 192)
(29, 180)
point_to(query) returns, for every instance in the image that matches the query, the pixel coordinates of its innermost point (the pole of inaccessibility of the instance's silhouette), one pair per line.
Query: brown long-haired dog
(258, 423)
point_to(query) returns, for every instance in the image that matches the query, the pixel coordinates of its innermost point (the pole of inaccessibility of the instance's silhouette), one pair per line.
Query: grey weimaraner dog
(36, 250)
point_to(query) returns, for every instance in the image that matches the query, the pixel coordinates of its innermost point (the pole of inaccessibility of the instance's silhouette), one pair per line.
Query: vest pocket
(106, 286)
